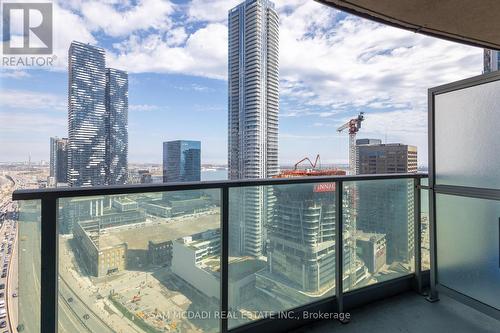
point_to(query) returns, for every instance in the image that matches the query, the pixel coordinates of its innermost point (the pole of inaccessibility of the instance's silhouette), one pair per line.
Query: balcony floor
(410, 313)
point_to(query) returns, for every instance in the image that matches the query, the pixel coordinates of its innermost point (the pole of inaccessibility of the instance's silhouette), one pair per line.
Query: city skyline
(169, 89)
(282, 181)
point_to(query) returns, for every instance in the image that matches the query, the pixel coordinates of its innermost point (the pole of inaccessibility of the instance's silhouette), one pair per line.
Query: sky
(332, 66)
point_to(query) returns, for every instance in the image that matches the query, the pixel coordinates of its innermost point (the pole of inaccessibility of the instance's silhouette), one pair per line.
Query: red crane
(353, 125)
(313, 165)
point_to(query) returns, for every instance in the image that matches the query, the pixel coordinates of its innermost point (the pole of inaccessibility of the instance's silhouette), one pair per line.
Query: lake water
(213, 175)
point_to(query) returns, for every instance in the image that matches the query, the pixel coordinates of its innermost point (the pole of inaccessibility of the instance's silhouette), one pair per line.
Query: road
(80, 310)
(28, 280)
(7, 240)
(71, 314)
(24, 274)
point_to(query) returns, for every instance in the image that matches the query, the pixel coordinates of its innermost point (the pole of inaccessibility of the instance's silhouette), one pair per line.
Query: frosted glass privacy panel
(467, 238)
(467, 140)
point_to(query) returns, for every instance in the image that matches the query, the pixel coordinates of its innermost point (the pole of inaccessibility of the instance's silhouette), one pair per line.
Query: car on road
(2, 286)
(3, 324)
(14, 294)
(2, 294)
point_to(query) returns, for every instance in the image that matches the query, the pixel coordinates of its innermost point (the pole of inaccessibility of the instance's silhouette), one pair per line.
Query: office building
(387, 207)
(374, 157)
(58, 160)
(53, 157)
(368, 142)
(116, 126)
(181, 161)
(86, 115)
(145, 176)
(253, 104)
(491, 61)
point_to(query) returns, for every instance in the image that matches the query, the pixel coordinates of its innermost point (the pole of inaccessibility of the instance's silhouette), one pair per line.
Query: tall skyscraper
(86, 115)
(181, 161)
(97, 119)
(116, 126)
(253, 90)
(386, 207)
(58, 160)
(253, 116)
(491, 61)
(53, 157)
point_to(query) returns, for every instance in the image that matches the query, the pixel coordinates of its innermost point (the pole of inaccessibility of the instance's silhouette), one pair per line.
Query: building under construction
(301, 241)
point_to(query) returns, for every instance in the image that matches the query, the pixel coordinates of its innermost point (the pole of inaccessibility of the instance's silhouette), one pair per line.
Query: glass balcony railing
(211, 256)
(25, 277)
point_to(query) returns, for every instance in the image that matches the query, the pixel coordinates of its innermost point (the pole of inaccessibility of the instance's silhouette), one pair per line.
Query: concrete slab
(411, 313)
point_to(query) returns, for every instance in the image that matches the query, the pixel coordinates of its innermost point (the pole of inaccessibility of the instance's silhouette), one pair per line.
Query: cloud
(194, 87)
(23, 99)
(210, 10)
(144, 107)
(332, 65)
(336, 61)
(118, 21)
(30, 122)
(176, 36)
(14, 74)
(204, 54)
(68, 26)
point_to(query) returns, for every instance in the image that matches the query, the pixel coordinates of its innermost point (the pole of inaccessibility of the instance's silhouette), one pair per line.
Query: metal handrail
(70, 192)
(49, 229)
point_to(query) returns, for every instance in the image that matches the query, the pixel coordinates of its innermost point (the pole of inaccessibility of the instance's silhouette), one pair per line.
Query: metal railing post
(49, 266)
(417, 233)
(339, 252)
(433, 294)
(224, 294)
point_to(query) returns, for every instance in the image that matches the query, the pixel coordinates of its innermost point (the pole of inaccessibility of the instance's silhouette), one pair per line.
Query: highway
(92, 322)
(24, 270)
(76, 311)
(7, 239)
(71, 313)
(28, 279)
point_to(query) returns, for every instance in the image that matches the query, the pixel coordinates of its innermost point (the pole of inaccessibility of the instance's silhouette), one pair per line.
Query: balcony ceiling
(474, 22)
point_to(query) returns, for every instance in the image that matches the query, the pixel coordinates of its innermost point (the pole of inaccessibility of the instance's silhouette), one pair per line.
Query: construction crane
(313, 165)
(353, 125)
(315, 170)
